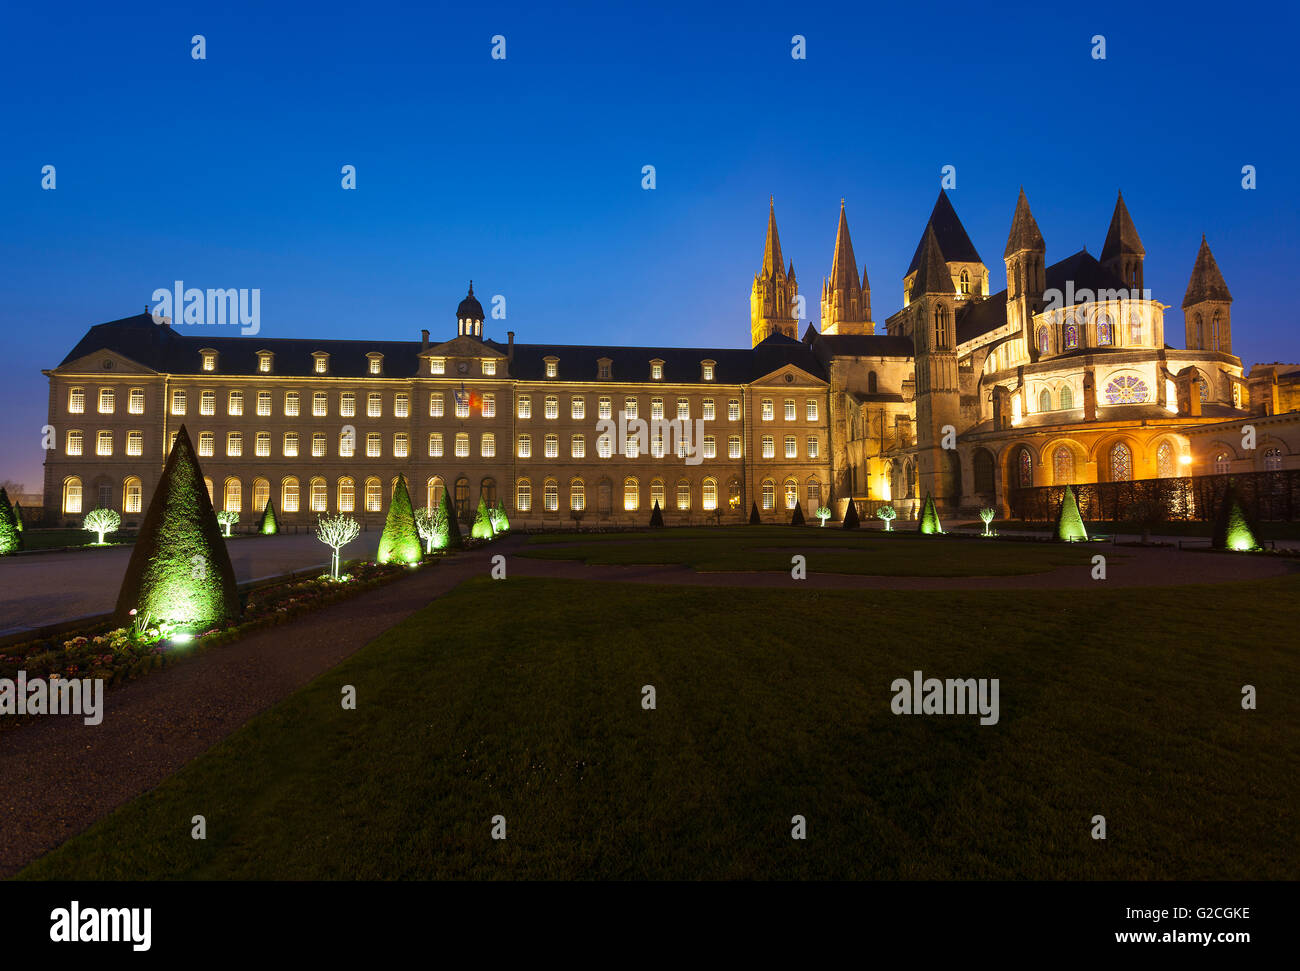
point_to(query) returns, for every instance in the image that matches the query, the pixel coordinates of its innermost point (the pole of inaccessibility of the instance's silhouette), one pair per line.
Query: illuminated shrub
(10, 531)
(1231, 526)
(499, 521)
(482, 528)
(986, 517)
(179, 568)
(928, 524)
(18, 516)
(823, 513)
(887, 514)
(336, 532)
(1069, 524)
(101, 521)
(399, 542)
(269, 525)
(228, 519)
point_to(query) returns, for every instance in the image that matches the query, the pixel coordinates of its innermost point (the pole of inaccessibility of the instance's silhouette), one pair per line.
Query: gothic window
(983, 471)
(1204, 387)
(965, 281)
(1045, 400)
(1200, 332)
(1063, 465)
(1165, 461)
(1067, 398)
(1103, 330)
(1071, 335)
(1135, 328)
(1042, 339)
(940, 340)
(1214, 332)
(1127, 389)
(1026, 464)
(871, 382)
(1121, 463)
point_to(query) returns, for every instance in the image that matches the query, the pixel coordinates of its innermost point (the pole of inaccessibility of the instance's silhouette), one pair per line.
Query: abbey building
(1067, 375)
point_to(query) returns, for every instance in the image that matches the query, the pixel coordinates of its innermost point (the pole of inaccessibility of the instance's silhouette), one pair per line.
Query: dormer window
(208, 359)
(320, 362)
(376, 362)
(489, 369)
(706, 370)
(552, 366)
(264, 361)
(604, 368)
(656, 370)
(437, 365)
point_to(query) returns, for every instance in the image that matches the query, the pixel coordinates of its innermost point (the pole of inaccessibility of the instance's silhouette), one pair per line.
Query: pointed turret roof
(1024, 233)
(866, 284)
(844, 269)
(1122, 237)
(1207, 282)
(954, 245)
(772, 263)
(932, 274)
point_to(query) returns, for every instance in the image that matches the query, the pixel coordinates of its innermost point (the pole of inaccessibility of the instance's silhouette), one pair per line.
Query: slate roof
(1122, 237)
(1024, 234)
(169, 350)
(932, 274)
(951, 234)
(866, 345)
(1207, 282)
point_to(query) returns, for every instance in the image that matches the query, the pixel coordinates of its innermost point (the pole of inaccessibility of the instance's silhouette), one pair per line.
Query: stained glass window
(1165, 461)
(1103, 329)
(1121, 463)
(1042, 339)
(1204, 388)
(1063, 465)
(1127, 389)
(1071, 335)
(1045, 400)
(1026, 469)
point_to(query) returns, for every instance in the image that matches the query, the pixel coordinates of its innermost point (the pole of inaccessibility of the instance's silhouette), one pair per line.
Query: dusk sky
(525, 174)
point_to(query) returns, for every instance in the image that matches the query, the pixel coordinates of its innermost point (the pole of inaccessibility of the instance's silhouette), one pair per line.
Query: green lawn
(45, 539)
(1191, 530)
(522, 698)
(829, 550)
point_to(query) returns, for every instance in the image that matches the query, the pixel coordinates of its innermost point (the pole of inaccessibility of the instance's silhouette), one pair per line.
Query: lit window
(234, 444)
(289, 495)
(791, 493)
(291, 444)
(401, 405)
(1121, 463)
(436, 404)
(77, 403)
(321, 363)
(376, 365)
(812, 409)
(525, 446)
(552, 406)
(348, 404)
(207, 403)
(657, 445)
(178, 402)
(435, 445)
(261, 494)
(656, 371)
(135, 401)
(209, 362)
(577, 496)
(489, 369)
(577, 407)
(263, 444)
(1127, 390)
(319, 495)
(104, 443)
(578, 447)
(631, 495)
(789, 409)
(552, 369)
(708, 409)
(733, 409)
(733, 447)
(603, 408)
(107, 401)
(525, 406)
(812, 446)
(347, 442)
(550, 496)
(374, 445)
(769, 447)
(437, 365)
(74, 443)
(683, 495)
(683, 409)
(489, 406)
(207, 444)
(233, 496)
(769, 494)
(632, 448)
(264, 366)
(523, 495)
(291, 404)
(374, 405)
(131, 496)
(629, 407)
(656, 408)
(319, 404)
(1103, 330)
(709, 495)
(768, 413)
(318, 445)
(347, 495)
(791, 447)
(401, 445)
(72, 496)
(602, 370)
(374, 495)
(462, 403)
(488, 445)
(264, 403)
(657, 493)
(552, 446)
(135, 444)
(604, 446)
(234, 403)
(708, 376)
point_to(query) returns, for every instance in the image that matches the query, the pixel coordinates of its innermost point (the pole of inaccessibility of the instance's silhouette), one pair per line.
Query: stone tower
(846, 302)
(1122, 252)
(1207, 306)
(932, 302)
(1025, 257)
(970, 277)
(772, 300)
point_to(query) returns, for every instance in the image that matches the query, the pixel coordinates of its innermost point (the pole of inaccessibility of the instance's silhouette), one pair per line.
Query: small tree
(1232, 529)
(796, 518)
(228, 519)
(986, 516)
(269, 525)
(886, 514)
(823, 513)
(336, 532)
(754, 519)
(928, 524)
(10, 532)
(500, 523)
(399, 540)
(455, 538)
(1069, 524)
(851, 518)
(424, 525)
(102, 521)
(482, 528)
(656, 516)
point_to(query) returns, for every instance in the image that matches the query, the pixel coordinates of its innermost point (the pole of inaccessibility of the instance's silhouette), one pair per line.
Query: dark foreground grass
(522, 699)
(769, 549)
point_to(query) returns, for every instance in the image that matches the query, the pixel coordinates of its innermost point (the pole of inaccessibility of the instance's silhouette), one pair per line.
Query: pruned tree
(102, 521)
(10, 527)
(228, 519)
(887, 514)
(336, 532)
(823, 513)
(986, 516)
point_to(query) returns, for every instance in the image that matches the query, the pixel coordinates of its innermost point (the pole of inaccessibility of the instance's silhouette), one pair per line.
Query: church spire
(773, 299)
(1024, 234)
(772, 264)
(846, 303)
(1122, 253)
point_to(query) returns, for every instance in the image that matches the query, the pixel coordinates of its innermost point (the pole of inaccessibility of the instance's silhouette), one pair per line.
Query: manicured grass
(523, 698)
(769, 549)
(1192, 530)
(46, 539)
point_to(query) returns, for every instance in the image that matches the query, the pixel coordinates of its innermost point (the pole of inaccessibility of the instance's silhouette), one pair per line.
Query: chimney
(424, 340)
(510, 353)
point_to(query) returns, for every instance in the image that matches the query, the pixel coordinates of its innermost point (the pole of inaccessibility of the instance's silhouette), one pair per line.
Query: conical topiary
(656, 516)
(179, 568)
(482, 528)
(269, 525)
(399, 542)
(796, 518)
(11, 535)
(851, 520)
(455, 538)
(1232, 529)
(499, 520)
(754, 519)
(1069, 524)
(18, 516)
(928, 524)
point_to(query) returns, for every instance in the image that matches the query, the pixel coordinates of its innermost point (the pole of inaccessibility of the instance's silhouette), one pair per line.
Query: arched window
(1043, 339)
(212, 496)
(488, 490)
(289, 495)
(1044, 400)
(734, 495)
(319, 495)
(1204, 387)
(709, 494)
(940, 330)
(374, 495)
(577, 496)
(72, 495)
(1165, 461)
(347, 498)
(871, 382)
(1214, 332)
(769, 494)
(233, 498)
(433, 490)
(1067, 398)
(1272, 459)
(1200, 332)
(965, 281)
(683, 495)
(1127, 389)
(814, 494)
(1071, 335)
(1063, 465)
(1135, 328)
(1025, 467)
(1104, 336)
(523, 495)
(261, 495)
(1222, 463)
(657, 493)
(604, 497)
(550, 496)
(462, 497)
(131, 494)
(1121, 462)
(631, 494)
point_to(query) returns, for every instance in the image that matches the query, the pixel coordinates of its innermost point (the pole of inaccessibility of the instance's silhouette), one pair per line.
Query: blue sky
(525, 174)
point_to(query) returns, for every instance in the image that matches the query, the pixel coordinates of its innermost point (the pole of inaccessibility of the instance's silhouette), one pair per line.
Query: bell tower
(772, 299)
